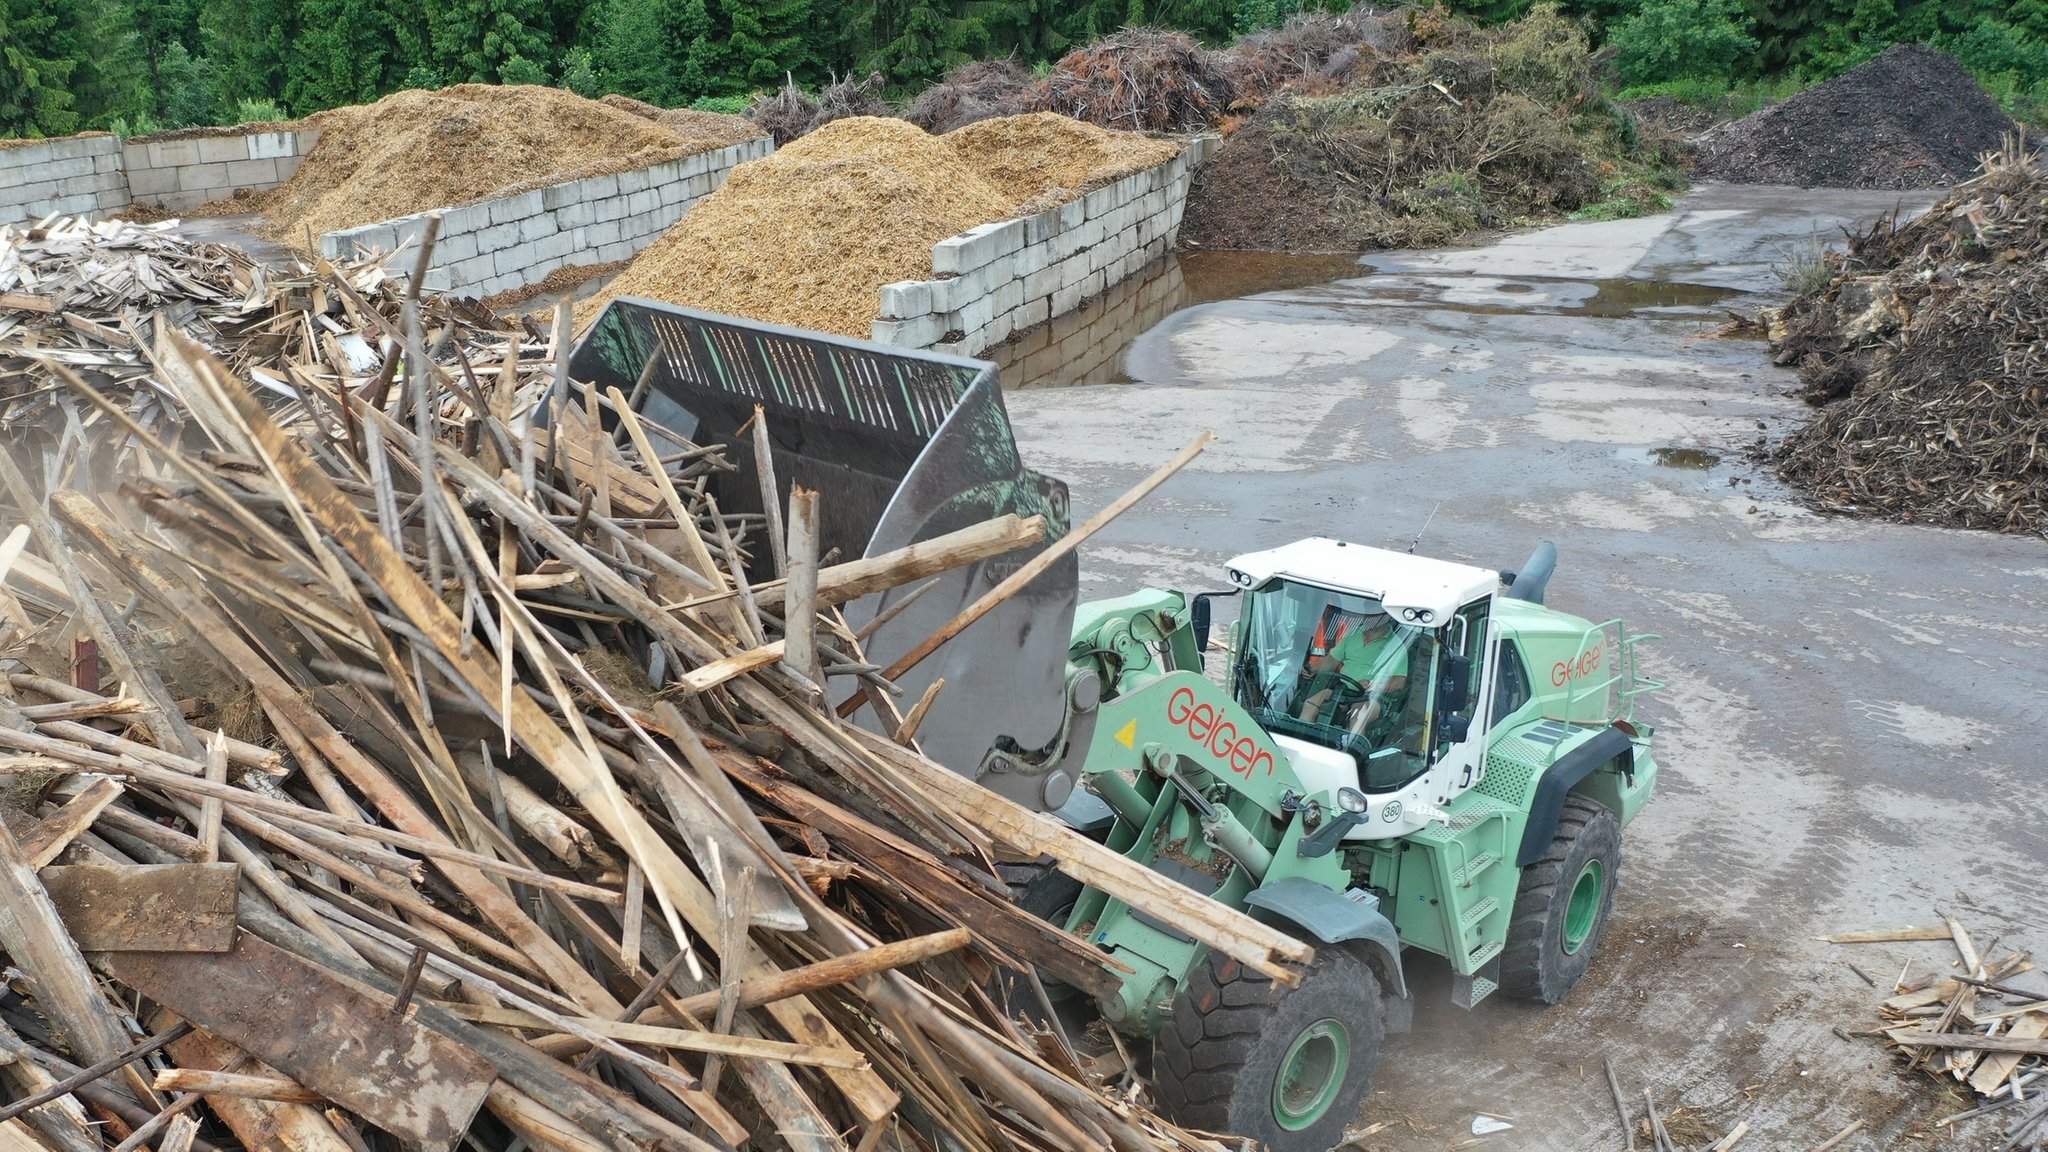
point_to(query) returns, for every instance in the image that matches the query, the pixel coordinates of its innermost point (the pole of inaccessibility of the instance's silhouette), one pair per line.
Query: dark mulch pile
(1912, 118)
(1929, 356)
(1243, 199)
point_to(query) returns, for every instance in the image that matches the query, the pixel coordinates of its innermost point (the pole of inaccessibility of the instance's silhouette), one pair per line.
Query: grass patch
(1624, 199)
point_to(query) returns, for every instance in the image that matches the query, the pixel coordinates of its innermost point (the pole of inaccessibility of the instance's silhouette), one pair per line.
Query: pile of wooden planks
(380, 769)
(1972, 1026)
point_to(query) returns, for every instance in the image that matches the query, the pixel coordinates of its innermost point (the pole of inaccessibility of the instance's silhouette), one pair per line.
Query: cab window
(1511, 682)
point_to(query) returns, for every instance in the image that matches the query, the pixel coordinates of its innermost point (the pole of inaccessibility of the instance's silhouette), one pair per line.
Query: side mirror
(1199, 615)
(1451, 729)
(1454, 685)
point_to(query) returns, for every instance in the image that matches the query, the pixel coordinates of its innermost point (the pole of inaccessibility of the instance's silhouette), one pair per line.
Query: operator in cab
(1358, 647)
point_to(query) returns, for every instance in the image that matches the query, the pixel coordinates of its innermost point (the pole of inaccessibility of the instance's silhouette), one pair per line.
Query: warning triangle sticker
(1128, 734)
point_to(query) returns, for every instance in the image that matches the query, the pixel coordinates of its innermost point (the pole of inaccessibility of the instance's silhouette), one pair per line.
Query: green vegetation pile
(808, 235)
(1460, 129)
(1315, 53)
(1911, 118)
(1928, 355)
(417, 150)
(1141, 80)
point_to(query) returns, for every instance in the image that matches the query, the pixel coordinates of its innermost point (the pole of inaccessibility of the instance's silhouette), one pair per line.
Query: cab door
(1458, 719)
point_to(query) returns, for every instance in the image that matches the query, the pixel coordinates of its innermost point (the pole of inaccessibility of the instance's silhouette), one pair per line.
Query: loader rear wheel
(1563, 904)
(1287, 1067)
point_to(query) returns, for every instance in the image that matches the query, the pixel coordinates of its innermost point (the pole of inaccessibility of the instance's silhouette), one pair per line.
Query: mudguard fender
(1335, 918)
(1603, 747)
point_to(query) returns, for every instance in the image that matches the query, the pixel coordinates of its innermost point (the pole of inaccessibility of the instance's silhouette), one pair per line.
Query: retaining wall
(72, 175)
(512, 242)
(1010, 276)
(184, 173)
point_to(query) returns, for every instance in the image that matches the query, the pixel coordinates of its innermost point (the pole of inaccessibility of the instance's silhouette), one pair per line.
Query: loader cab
(1366, 666)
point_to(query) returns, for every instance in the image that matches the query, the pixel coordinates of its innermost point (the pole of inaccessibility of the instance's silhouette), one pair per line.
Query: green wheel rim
(1582, 910)
(1311, 1074)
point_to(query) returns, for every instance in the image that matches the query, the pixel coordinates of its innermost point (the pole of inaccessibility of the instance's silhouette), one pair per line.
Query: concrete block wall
(74, 175)
(184, 173)
(1086, 346)
(512, 242)
(1013, 275)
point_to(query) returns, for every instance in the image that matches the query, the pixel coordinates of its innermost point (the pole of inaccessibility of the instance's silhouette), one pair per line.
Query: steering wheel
(1345, 690)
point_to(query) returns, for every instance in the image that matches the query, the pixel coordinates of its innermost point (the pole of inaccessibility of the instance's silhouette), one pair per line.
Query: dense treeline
(138, 65)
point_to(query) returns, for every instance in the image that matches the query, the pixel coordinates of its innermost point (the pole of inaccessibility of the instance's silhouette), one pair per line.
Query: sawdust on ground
(417, 150)
(699, 131)
(1026, 157)
(808, 236)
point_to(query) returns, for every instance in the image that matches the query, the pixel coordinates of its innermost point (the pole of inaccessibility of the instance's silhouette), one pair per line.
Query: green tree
(346, 53)
(37, 54)
(472, 39)
(579, 73)
(632, 53)
(520, 70)
(191, 89)
(247, 45)
(768, 40)
(923, 40)
(1681, 39)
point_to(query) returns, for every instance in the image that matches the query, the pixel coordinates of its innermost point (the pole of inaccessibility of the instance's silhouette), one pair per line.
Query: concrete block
(942, 295)
(253, 173)
(370, 238)
(152, 181)
(534, 227)
(473, 271)
(973, 314)
(609, 208)
(552, 248)
(633, 180)
(103, 162)
(1099, 201)
(1093, 285)
(82, 148)
(1072, 213)
(77, 205)
(1029, 259)
(601, 233)
(645, 200)
(977, 246)
(918, 332)
(1008, 296)
(510, 261)
(1042, 282)
(556, 196)
(1074, 269)
(695, 165)
(466, 219)
(1033, 312)
(85, 185)
(998, 330)
(172, 153)
(270, 145)
(497, 237)
(906, 299)
(1038, 229)
(286, 165)
(454, 247)
(576, 214)
(222, 149)
(65, 168)
(437, 280)
(514, 208)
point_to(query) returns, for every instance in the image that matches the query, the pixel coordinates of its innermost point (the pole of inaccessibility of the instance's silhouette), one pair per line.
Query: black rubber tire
(1217, 1060)
(1535, 965)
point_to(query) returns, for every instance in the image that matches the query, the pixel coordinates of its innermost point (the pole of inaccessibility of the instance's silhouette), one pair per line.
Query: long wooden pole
(1038, 564)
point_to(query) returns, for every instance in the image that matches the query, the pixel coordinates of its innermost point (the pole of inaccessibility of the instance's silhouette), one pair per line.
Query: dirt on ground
(1911, 118)
(1928, 353)
(416, 150)
(807, 236)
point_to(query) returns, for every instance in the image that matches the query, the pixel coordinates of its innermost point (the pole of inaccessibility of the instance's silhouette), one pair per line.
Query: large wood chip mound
(416, 150)
(809, 235)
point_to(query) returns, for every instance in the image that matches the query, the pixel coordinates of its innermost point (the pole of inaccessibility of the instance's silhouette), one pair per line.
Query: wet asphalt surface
(1852, 732)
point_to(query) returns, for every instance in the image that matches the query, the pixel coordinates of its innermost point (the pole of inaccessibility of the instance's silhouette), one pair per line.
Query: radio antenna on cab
(1425, 528)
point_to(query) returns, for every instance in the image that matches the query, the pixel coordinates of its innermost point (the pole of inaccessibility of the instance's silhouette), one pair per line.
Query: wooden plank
(1220, 927)
(28, 302)
(16, 1136)
(717, 672)
(33, 934)
(147, 907)
(341, 1042)
(54, 833)
(1998, 1066)
(1888, 936)
(1968, 1042)
(236, 1085)
(800, 620)
(681, 1039)
(854, 579)
(261, 1125)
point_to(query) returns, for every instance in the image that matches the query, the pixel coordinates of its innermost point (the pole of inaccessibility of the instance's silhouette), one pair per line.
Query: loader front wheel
(1563, 905)
(1287, 1067)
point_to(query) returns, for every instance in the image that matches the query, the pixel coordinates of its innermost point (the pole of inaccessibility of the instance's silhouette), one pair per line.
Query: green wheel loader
(1390, 755)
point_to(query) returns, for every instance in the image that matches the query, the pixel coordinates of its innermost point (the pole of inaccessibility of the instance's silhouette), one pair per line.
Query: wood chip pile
(1928, 354)
(416, 150)
(513, 815)
(1968, 1025)
(808, 236)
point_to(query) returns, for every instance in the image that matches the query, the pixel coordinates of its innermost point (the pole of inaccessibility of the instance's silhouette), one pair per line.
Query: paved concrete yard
(1853, 729)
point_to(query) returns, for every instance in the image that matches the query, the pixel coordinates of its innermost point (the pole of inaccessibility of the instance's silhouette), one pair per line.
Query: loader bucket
(903, 445)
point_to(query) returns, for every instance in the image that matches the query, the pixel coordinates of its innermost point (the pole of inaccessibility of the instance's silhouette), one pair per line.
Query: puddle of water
(1087, 346)
(1527, 295)
(1691, 459)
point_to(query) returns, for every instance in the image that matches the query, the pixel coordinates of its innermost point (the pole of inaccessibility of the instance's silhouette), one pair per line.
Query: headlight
(1351, 800)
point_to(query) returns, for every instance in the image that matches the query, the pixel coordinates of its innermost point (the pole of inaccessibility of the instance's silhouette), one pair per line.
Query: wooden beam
(843, 583)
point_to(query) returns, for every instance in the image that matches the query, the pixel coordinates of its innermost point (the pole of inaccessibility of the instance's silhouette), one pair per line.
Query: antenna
(1425, 528)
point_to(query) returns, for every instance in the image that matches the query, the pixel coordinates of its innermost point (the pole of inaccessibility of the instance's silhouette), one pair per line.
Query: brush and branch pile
(790, 112)
(1928, 356)
(1141, 80)
(1315, 53)
(981, 90)
(398, 755)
